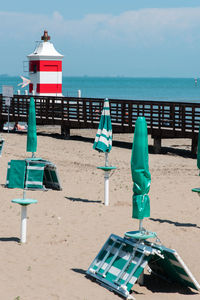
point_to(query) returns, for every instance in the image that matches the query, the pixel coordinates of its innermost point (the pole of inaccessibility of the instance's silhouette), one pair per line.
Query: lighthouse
(45, 69)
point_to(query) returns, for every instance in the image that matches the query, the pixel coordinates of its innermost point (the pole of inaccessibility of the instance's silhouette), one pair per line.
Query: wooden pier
(164, 119)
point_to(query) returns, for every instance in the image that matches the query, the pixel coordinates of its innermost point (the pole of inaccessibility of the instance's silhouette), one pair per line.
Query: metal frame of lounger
(166, 263)
(119, 264)
(172, 267)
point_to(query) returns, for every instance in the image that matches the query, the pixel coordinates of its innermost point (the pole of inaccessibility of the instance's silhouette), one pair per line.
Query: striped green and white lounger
(32, 174)
(119, 264)
(172, 267)
(121, 261)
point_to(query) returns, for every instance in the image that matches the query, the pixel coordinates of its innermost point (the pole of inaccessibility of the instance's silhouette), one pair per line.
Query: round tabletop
(109, 168)
(197, 190)
(140, 235)
(24, 201)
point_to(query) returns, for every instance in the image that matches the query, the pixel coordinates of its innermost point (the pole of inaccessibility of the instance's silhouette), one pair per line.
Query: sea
(131, 88)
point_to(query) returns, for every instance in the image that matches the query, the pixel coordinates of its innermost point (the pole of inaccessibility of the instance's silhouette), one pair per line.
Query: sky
(130, 38)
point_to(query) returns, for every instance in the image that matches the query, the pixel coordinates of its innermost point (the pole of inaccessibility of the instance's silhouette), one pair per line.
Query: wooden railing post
(65, 131)
(157, 144)
(1, 119)
(90, 112)
(84, 112)
(62, 109)
(78, 110)
(130, 116)
(194, 144)
(172, 116)
(47, 109)
(52, 109)
(183, 119)
(122, 115)
(151, 117)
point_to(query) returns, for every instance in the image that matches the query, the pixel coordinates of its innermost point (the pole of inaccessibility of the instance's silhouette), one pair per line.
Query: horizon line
(116, 76)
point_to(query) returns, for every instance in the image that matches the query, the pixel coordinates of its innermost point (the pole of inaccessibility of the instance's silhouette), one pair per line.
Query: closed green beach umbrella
(31, 145)
(197, 190)
(103, 143)
(140, 171)
(103, 139)
(198, 151)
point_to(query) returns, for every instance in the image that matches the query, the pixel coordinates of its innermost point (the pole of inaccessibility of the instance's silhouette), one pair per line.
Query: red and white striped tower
(45, 69)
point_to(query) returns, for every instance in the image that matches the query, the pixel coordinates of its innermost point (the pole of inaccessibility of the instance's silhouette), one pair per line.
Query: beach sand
(67, 228)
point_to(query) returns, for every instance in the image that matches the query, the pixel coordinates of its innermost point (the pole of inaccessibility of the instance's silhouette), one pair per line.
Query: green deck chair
(32, 174)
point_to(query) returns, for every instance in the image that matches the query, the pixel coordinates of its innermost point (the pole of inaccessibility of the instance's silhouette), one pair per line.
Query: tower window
(34, 68)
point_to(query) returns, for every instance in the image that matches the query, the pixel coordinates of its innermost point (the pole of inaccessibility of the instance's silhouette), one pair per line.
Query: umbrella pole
(23, 223)
(106, 182)
(106, 190)
(106, 159)
(23, 220)
(140, 225)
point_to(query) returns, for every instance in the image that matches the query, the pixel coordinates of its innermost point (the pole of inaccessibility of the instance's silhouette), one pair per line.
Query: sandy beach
(67, 228)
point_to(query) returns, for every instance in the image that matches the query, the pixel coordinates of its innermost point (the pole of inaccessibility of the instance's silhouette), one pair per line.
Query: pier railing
(164, 119)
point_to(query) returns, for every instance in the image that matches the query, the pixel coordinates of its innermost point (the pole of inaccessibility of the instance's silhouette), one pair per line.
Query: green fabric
(118, 260)
(197, 190)
(47, 176)
(34, 175)
(103, 139)
(140, 171)
(198, 150)
(172, 267)
(16, 174)
(31, 145)
(51, 179)
(54, 176)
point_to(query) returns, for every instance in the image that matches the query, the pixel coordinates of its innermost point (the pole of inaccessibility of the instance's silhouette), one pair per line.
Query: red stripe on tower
(30, 87)
(49, 88)
(45, 69)
(45, 65)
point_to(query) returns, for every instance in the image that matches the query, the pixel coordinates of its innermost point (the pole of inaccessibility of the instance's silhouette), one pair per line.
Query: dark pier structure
(164, 119)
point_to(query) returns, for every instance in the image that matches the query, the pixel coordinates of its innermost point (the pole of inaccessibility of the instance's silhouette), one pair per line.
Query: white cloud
(57, 16)
(145, 27)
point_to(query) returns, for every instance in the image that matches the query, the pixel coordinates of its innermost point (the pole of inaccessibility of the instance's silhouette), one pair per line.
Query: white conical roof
(45, 50)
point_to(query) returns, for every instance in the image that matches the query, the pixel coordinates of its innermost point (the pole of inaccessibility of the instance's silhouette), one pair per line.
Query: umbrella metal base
(197, 190)
(107, 168)
(24, 201)
(140, 235)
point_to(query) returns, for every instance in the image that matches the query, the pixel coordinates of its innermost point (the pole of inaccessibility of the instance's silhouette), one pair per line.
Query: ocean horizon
(119, 87)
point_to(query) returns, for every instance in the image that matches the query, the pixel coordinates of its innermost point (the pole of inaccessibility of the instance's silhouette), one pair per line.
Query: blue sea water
(166, 89)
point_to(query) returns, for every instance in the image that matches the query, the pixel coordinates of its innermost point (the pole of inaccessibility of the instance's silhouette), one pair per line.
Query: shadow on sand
(82, 200)
(80, 271)
(152, 283)
(128, 145)
(9, 239)
(175, 223)
(158, 285)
